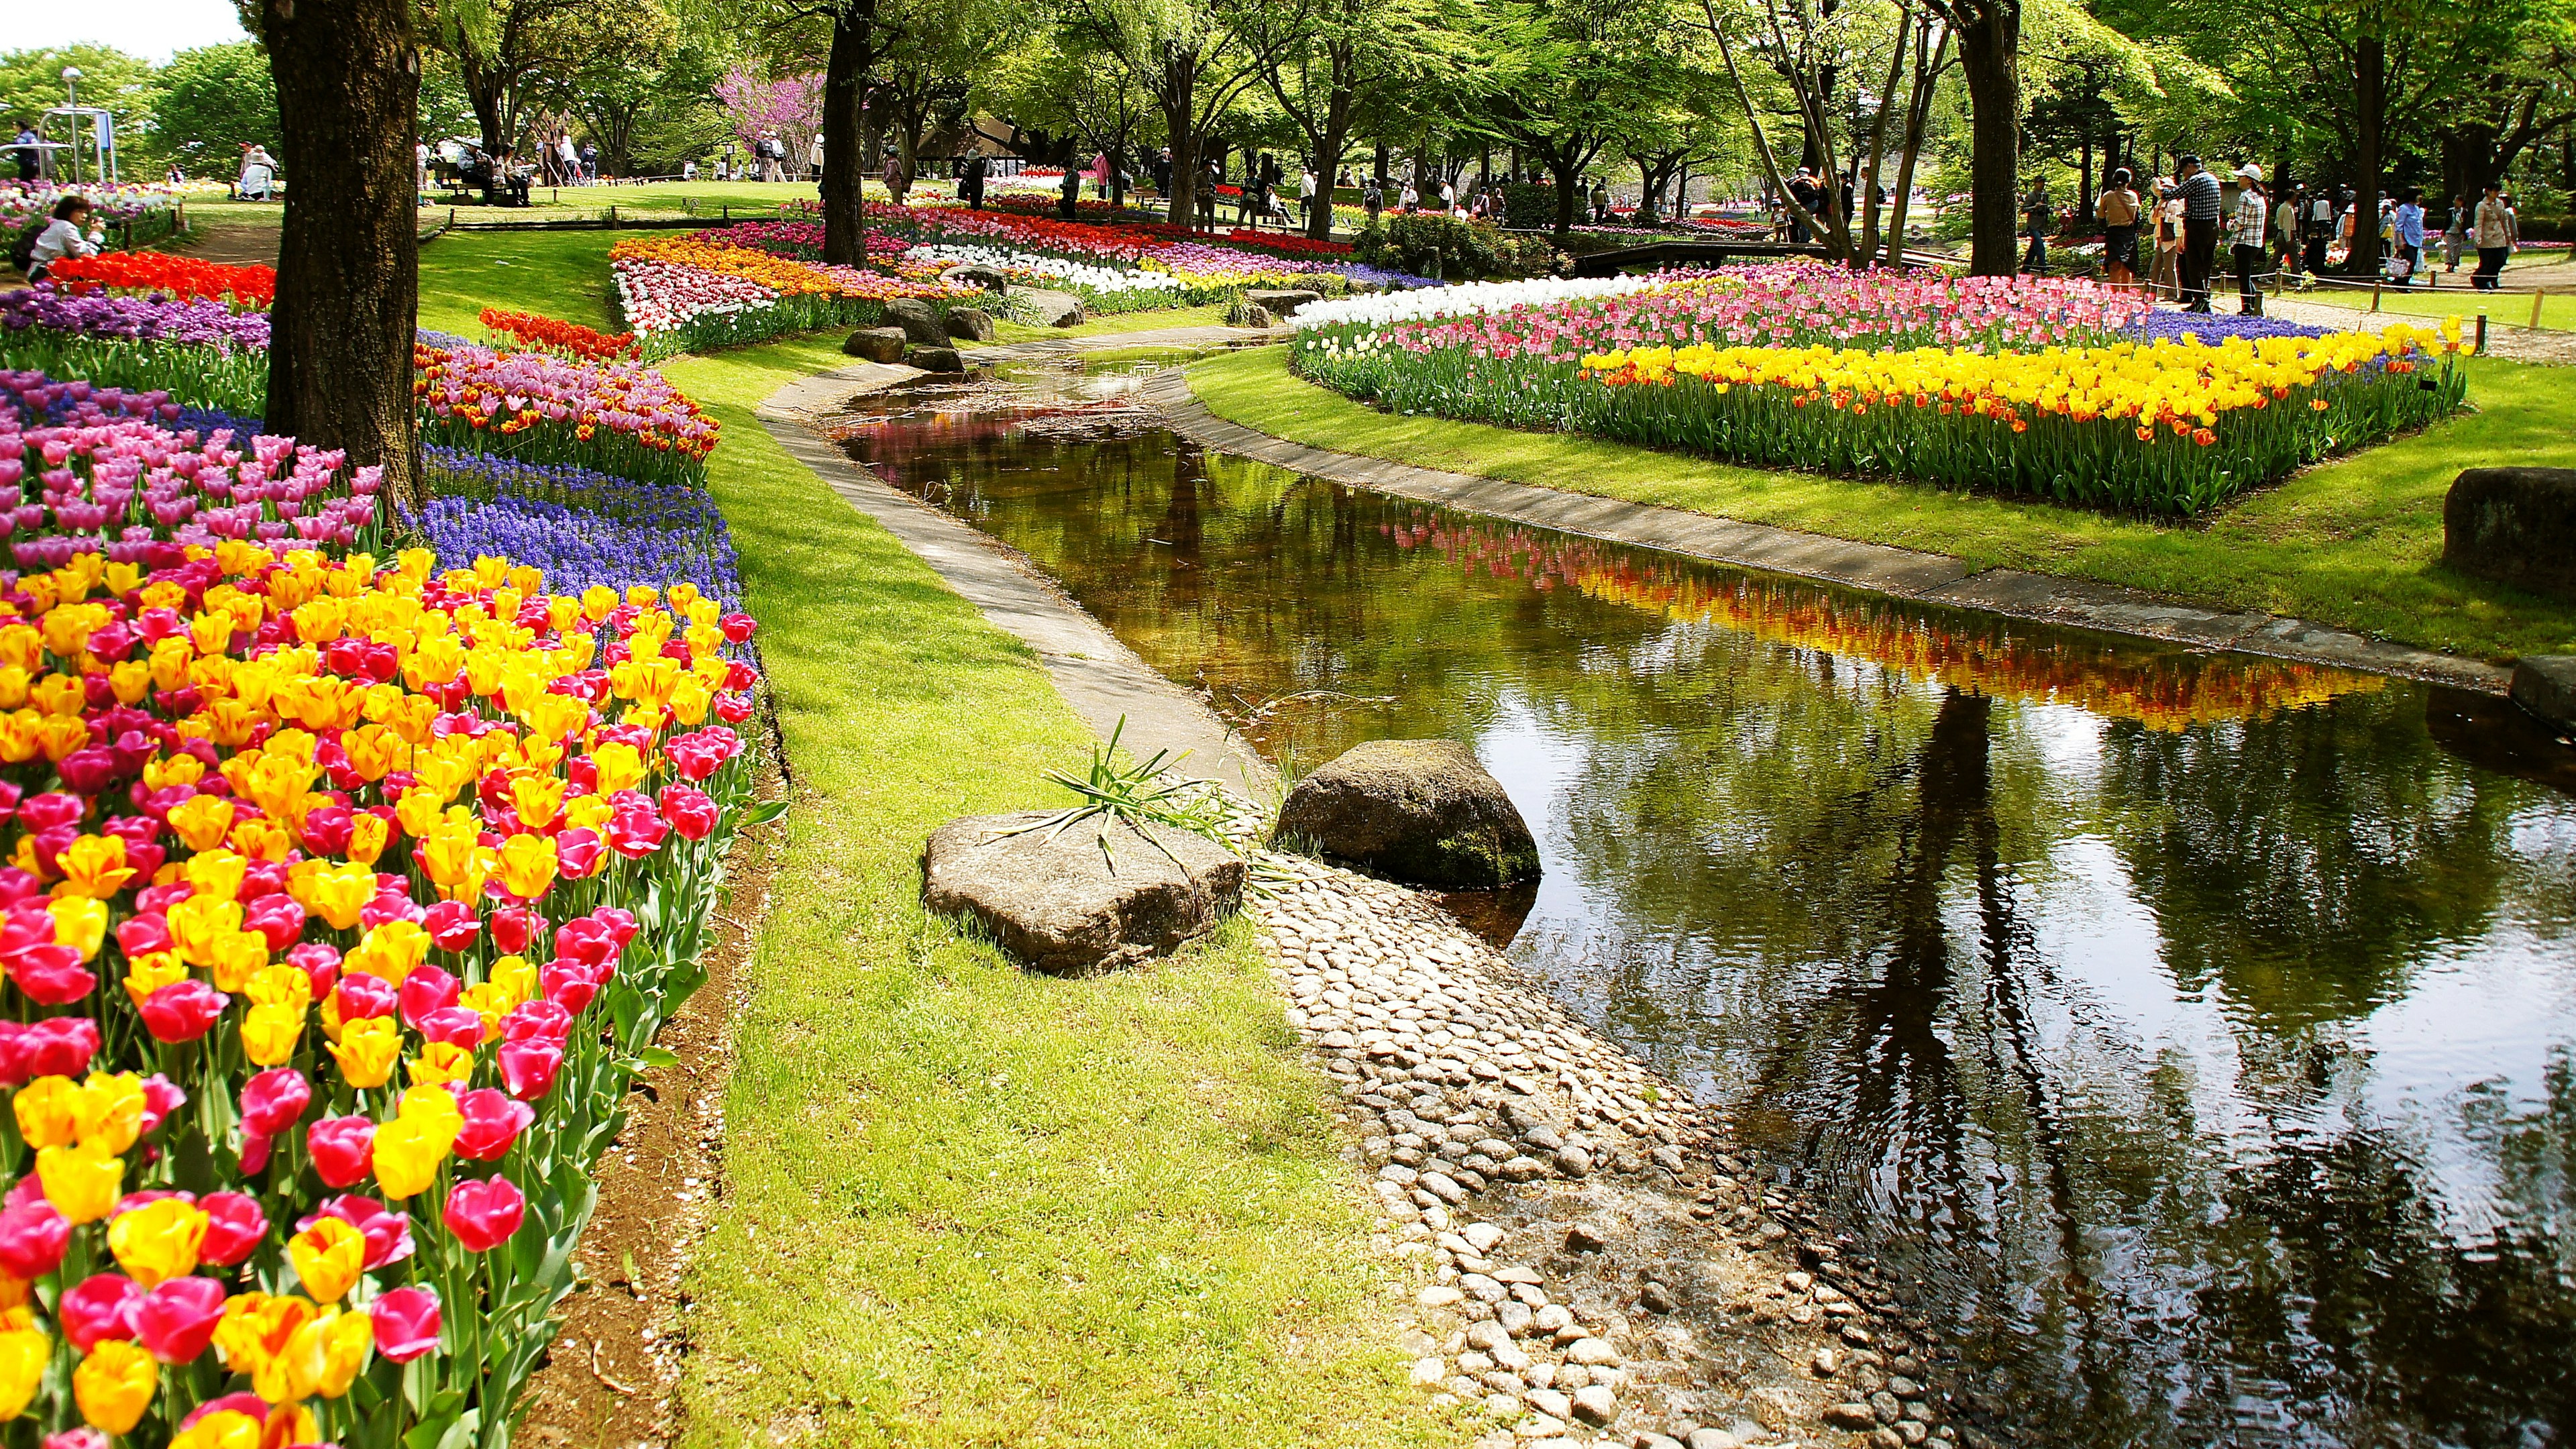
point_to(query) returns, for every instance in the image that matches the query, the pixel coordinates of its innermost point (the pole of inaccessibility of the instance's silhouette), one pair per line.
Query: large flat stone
(1419, 811)
(2545, 684)
(1053, 309)
(2514, 525)
(1092, 896)
(919, 321)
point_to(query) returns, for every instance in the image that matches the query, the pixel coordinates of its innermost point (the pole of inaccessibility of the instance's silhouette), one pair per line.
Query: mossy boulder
(1419, 811)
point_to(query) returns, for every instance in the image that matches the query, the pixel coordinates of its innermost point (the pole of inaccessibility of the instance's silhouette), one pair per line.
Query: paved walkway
(2506, 340)
(1904, 573)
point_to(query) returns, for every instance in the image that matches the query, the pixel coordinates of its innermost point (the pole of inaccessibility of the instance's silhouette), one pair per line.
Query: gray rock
(1057, 902)
(2545, 684)
(1658, 1441)
(975, 274)
(919, 321)
(1595, 1405)
(1593, 1353)
(1053, 309)
(1573, 1161)
(876, 344)
(969, 324)
(2514, 525)
(936, 359)
(1552, 1403)
(1857, 1418)
(1282, 303)
(1886, 1405)
(1712, 1439)
(1249, 314)
(1419, 811)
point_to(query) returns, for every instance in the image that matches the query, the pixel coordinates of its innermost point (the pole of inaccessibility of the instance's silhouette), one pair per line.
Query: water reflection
(2194, 1030)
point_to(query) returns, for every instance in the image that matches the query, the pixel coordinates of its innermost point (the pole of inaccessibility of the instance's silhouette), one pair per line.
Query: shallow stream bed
(2195, 1032)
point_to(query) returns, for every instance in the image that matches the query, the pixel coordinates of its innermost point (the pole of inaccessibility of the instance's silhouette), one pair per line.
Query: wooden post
(2482, 331)
(612, 216)
(2537, 293)
(2374, 294)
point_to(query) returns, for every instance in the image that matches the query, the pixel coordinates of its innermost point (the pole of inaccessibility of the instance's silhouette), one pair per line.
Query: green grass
(2355, 543)
(561, 274)
(969, 1205)
(2454, 297)
(1212, 315)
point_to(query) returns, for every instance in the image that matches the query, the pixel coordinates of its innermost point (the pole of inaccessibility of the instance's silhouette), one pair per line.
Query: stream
(2195, 1033)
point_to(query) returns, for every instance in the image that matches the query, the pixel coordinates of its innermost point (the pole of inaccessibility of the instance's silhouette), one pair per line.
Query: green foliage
(1430, 245)
(211, 102)
(31, 80)
(1526, 206)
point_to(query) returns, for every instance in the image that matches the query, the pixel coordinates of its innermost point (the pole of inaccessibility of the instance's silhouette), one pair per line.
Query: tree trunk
(1569, 178)
(845, 153)
(2084, 187)
(2370, 114)
(1186, 165)
(348, 256)
(1989, 60)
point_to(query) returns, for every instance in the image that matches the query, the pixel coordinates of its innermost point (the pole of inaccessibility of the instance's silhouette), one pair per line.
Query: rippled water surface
(2197, 1032)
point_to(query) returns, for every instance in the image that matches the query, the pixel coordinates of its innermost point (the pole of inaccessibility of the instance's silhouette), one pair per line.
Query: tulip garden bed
(2354, 543)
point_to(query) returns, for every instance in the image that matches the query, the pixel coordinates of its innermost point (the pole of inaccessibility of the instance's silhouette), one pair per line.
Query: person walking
(1805, 196)
(970, 182)
(2118, 208)
(1068, 201)
(2039, 223)
(2319, 227)
(2247, 226)
(2166, 280)
(814, 158)
(2198, 190)
(2410, 237)
(1306, 196)
(1372, 201)
(30, 155)
(2455, 234)
(2285, 226)
(2495, 234)
(1211, 176)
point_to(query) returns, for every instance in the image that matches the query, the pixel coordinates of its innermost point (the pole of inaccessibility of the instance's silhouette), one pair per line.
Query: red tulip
(183, 1010)
(365, 996)
(578, 853)
(177, 1320)
(245, 1403)
(451, 925)
(513, 925)
(80, 1438)
(98, 1308)
(234, 1227)
(425, 990)
(406, 1322)
(274, 1100)
(51, 975)
(319, 960)
(161, 1097)
(483, 1214)
(32, 1238)
(528, 1068)
(637, 833)
(692, 812)
(570, 984)
(60, 1046)
(343, 1149)
(587, 940)
(492, 1123)
(541, 1021)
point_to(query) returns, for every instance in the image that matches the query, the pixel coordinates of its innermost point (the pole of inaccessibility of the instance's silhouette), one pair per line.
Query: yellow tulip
(270, 1034)
(23, 1356)
(527, 865)
(158, 1241)
(328, 1258)
(441, 1062)
(367, 1050)
(329, 1352)
(114, 1385)
(94, 867)
(50, 1111)
(82, 1182)
(223, 1429)
(407, 1155)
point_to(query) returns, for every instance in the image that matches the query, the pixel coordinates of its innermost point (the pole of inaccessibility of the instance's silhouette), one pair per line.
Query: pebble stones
(1467, 1092)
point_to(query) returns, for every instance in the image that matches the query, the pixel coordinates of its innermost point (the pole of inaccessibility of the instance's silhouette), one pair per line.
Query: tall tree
(340, 331)
(1184, 55)
(502, 47)
(1563, 80)
(1989, 40)
(1316, 58)
(211, 102)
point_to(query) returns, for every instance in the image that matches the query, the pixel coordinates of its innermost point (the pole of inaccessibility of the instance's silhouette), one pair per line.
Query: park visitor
(1068, 203)
(30, 163)
(1306, 195)
(2166, 279)
(62, 237)
(2409, 224)
(2495, 235)
(2320, 228)
(2039, 222)
(2285, 225)
(814, 158)
(1372, 201)
(970, 182)
(2455, 235)
(2198, 190)
(2247, 226)
(2118, 208)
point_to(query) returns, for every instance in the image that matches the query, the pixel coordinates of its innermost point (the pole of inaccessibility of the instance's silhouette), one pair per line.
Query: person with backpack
(2039, 223)
(2118, 208)
(59, 237)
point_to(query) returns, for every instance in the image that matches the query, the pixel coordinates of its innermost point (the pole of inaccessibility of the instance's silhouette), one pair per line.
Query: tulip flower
(484, 1213)
(98, 1308)
(255, 1337)
(183, 1010)
(273, 1101)
(406, 1322)
(387, 1233)
(367, 1049)
(528, 1070)
(452, 925)
(158, 1241)
(492, 1121)
(328, 1258)
(342, 1149)
(23, 1356)
(234, 1226)
(175, 1321)
(114, 1385)
(455, 1025)
(80, 1181)
(328, 1352)
(407, 1154)
(59, 1046)
(32, 1239)
(693, 813)
(81, 1438)
(425, 990)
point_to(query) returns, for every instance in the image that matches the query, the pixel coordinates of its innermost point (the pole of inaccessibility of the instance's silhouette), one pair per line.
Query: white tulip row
(1469, 299)
(1082, 274)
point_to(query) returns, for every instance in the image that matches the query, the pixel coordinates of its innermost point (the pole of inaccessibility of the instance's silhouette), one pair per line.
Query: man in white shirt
(1306, 196)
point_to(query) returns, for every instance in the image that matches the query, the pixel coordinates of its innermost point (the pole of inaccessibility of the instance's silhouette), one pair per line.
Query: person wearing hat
(2246, 226)
(2198, 191)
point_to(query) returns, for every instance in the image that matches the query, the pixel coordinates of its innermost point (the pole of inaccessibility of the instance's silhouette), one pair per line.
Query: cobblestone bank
(1598, 1261)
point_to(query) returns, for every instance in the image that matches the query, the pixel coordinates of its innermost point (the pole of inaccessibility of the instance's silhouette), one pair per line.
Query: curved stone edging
(1902, 573)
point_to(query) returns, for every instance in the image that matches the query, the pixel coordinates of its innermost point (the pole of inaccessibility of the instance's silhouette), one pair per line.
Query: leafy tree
(209, 103)
(32, 80)
(1184, 55)
(1564, 80)
(624, 76)
(928, 72)
(1316, 58)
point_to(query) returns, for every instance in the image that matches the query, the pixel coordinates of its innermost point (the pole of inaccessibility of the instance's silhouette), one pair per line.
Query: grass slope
(2355, 543)
(968, 1205)
(561, 274)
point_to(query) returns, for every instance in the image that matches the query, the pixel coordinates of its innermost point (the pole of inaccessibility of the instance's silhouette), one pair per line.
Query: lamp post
(71, 88)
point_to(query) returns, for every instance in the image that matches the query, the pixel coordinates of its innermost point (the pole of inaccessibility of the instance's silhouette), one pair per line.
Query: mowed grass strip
(966, 1205)
(2355, 543)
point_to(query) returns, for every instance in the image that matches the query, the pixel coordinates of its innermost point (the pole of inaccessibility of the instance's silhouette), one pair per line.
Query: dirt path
(232, 242)
(2517, 344)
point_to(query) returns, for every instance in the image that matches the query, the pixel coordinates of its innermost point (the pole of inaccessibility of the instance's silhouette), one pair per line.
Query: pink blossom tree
(792, 106)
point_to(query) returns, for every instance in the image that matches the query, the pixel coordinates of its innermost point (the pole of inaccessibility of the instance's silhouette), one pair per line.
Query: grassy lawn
(1209, 316)
(558, 273)
(2454, 297)
(968, 1205)
(2354, 543)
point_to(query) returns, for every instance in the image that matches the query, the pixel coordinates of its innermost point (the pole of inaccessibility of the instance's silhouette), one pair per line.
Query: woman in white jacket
(62, 237)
